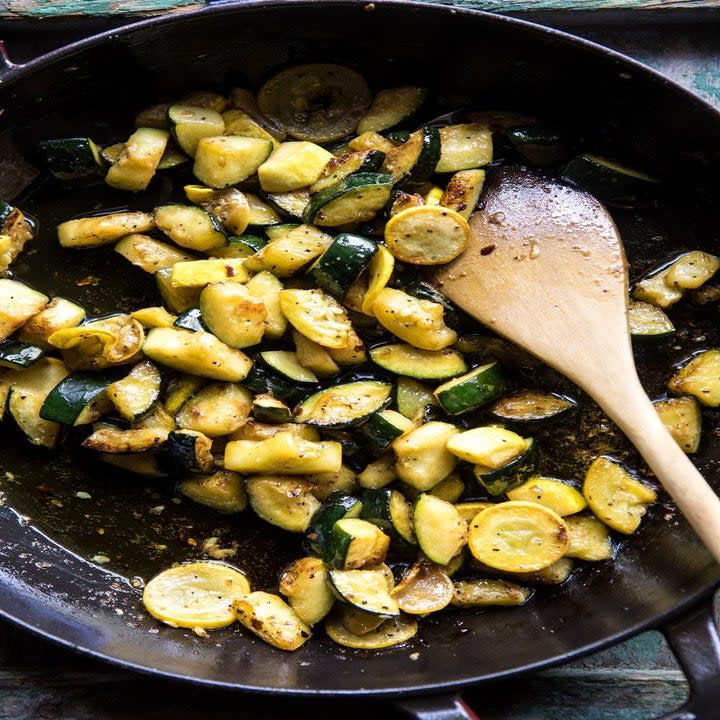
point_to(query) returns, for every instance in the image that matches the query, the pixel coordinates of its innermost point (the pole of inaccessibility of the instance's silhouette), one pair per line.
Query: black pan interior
(54, 543)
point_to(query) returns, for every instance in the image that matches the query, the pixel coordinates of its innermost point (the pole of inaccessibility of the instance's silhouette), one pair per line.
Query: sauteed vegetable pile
(298, 367)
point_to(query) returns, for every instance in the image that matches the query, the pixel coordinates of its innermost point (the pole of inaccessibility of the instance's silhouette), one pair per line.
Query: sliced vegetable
(518, 536)
(355, 543)
(364, 590)
(683, 418)
(223, 491)
(135, 395)
(646, 320)
(464, 146)
(291, 166)
(489, 446)
(383, 427)
(149, 254)
(343, 405)
(268, 409)
(18, 303)
(78, 399)
(336, 506)
(283, 453)
(291, 251)
(286, 502)
(526, 406)
(615, 496)
(414, 161)
(139, 159)
(425, 588)
(699, 377)
(233, 314)
(190, 123)
(393, 631)
(189, 226)
(485, 592)
(472, 390)
(216, 410)
(305, 585)
(71, 158)
(589, 539)
(18, 355)
(390, 511)
(225, 160)
(190, 452)
(355, 198)
(514, 473)
(316, 315)
(462, 192)
(390, 107)
(271, 619)
(440, 530)
(559, 496)
(339, 266)
(317, 102)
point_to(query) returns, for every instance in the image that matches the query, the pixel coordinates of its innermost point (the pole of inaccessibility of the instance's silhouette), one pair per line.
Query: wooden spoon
(545, 267)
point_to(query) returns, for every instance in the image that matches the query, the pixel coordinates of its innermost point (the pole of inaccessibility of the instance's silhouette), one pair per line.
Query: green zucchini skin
(312, 410)
(263, 379)
(339, 266)
(66, 401)
(191, 320)
(377, 508)
(69, 159)
(472, 390)
(346, 187)
(337, 506)
(424, 291)
(607, 180)
(538, 144)
(18, 355)
(514, 473)
(268, 409)
(189, 452)
(413, 162)
(380, 431)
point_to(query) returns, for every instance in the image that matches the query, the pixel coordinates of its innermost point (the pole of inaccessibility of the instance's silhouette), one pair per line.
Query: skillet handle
(695, 641)
(437, 707)
(6, 64)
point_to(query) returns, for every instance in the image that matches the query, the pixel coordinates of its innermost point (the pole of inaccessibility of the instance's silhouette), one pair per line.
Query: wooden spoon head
(544, 267)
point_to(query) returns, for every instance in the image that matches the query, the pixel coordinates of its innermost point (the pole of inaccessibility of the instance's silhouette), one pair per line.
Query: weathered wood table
(634, 680)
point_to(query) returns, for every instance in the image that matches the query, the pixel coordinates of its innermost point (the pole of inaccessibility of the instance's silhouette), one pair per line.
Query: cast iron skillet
(663, 578)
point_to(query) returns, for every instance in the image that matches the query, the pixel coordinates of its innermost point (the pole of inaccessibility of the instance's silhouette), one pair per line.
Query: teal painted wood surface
(63, 8)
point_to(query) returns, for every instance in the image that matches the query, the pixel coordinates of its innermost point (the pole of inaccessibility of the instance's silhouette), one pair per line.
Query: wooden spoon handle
(636, 416)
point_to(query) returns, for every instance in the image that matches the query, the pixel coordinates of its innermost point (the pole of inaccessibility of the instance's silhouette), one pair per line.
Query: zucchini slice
(198, 353)
(425, 588)
(286, 363)
(606, 179)
(317, 102)
(305, 585)
(464, 146)
(239, 122)
(225, 160)
(25, 398)
(59, 313)
(490, 446)
(283, 453)
(529, 406)
(390, 511)
(488, 592)
(215, 410)
(318, 316)
(646, 320)
(339, 266)
(190, 226)
(383, 427)
(15, 354)
(356, 198)
(390, 107)
(292, 166)
(190, 452)
(233, 314)
(423, 459)
(472, 390)
(110, 439)
(392, 632)
(290, 204)
(589, 539)
(266, 288)
(286, 502)
(699, 377)
(404, 359)
(463, 191)
(18, 303)
(263, 379)
(268, 409)
(78, 399)
(135, 395)
(683, 419)
(343, 405)
(177, 299)
(418, 322)
(440, 530)
(500, 480)
(15, 230)
(615, 496)
(229, 206)
(272, 619)
(314, 357)
(291, 251)
(427, 235)
(414, 161)
(190, 123)
(241, 246)
(413, 398)
(149, 254)
(516, 536)
(336, 506)
(354, 543)
(223, 491)
(365, 590)
(190, 320)
(559, 496)
(380, 271)
(139, 159)
(197, 594)
(338, 168)
(73, 158)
